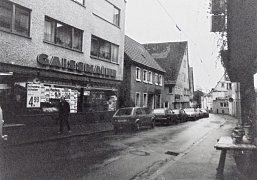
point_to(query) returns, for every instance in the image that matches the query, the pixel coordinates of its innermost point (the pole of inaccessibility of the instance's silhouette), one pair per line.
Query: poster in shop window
(43, 97)
(33, 95)
(73, 101)
(55, 93)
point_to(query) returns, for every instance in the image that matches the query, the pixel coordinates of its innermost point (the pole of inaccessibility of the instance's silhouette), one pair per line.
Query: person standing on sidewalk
(64, 113)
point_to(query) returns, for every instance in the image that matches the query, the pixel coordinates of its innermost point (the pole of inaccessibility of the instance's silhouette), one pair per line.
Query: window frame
(156, 79)
(138, 74)
(137, 105)
(145, 99)
(54, 29)
(111, 46)
(110, 20)
(12, 28)
(160, 79)
(77, 1)
(145, 73)
(150, 76)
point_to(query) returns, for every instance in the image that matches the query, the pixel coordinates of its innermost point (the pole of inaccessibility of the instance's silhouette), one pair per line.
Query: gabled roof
(169, 55)
(137, 53)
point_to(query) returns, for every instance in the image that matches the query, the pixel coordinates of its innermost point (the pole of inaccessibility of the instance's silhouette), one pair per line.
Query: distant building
(191, 85)
(217, 100)
(143, 83)
(178, 79)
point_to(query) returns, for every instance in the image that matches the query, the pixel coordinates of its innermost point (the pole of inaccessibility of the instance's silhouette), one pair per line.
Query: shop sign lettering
(81, 67)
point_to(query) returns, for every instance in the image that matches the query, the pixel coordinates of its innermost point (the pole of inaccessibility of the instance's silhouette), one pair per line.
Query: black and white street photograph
(128, 90)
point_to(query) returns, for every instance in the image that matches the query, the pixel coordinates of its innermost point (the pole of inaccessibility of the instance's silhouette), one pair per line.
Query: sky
(152, 21)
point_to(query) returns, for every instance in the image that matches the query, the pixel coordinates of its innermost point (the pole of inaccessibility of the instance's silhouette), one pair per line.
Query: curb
(3, 144)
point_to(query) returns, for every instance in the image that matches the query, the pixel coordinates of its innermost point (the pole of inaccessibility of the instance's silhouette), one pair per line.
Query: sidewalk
(24, 135)
(201, 161)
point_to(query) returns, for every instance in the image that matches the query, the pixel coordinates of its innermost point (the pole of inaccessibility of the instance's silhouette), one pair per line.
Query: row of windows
(224, 104)
(16, 19)
(107, 11)
(62, 34)
(156, 101)
(101, 48)
(148, 77)
(229, 85)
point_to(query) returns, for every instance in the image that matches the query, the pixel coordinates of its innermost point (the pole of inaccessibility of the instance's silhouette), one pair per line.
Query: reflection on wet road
(126, 155)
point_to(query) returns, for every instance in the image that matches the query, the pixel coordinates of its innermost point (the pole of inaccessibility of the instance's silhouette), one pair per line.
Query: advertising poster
(43, 97)
(73, 101)
(33, 95)
(47, 93)
(55, 93)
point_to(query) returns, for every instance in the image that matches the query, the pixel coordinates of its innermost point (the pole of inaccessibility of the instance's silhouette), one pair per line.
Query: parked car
(181, 115)
(199, 112)
(164, 116)
(205, 113)
(192, 113)
(132, 117)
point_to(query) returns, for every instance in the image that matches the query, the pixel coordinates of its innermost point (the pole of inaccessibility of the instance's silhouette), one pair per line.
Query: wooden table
(226, 143)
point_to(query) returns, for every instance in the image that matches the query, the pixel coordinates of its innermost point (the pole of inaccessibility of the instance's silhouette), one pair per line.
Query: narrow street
(126, 155)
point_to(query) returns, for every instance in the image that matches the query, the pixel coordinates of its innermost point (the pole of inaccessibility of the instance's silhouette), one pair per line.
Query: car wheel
(137, 126)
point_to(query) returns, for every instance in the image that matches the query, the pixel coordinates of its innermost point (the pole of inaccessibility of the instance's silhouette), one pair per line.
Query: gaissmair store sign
(56, 62)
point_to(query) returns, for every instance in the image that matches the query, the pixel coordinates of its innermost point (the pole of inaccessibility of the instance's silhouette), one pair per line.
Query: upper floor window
(80, 1)
(156, 79)
(62, 34)
(101, 48)
(171, 89)
(145, 76)
(222, 84)
(150, 77)
(107, 11)
(14, 18)
(160, 80)
(138, 74)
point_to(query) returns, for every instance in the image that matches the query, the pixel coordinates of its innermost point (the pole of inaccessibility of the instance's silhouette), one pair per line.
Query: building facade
(217, 100)
(178, 79)
(143, 83)
(75, 50)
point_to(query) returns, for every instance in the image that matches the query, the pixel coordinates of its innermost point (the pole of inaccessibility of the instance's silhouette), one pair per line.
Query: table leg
(221, 165)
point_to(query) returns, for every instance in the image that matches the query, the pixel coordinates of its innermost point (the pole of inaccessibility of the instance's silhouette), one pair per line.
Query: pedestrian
(64, 113)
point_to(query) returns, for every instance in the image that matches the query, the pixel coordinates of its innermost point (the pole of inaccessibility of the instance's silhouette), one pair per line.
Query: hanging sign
(33, 95)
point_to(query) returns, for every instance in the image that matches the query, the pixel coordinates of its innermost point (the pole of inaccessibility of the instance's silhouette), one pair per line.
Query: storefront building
(75, 50)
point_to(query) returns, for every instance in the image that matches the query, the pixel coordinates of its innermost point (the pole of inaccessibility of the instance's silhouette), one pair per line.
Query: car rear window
(124, 112)
(189, 110)
(175, 111)
(158, 111)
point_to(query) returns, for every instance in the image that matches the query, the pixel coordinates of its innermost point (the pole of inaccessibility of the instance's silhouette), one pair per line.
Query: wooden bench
(226, 143)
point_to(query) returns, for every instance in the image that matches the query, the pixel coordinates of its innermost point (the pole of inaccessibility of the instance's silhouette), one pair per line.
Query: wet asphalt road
(126, 155)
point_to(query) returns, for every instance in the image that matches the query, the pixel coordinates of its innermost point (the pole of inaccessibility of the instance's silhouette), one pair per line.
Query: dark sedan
(205, 113)
(164, 116)
(132, 117)
(181, 115)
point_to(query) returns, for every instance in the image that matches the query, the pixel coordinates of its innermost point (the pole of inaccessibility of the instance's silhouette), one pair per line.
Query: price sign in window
(33, 95)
